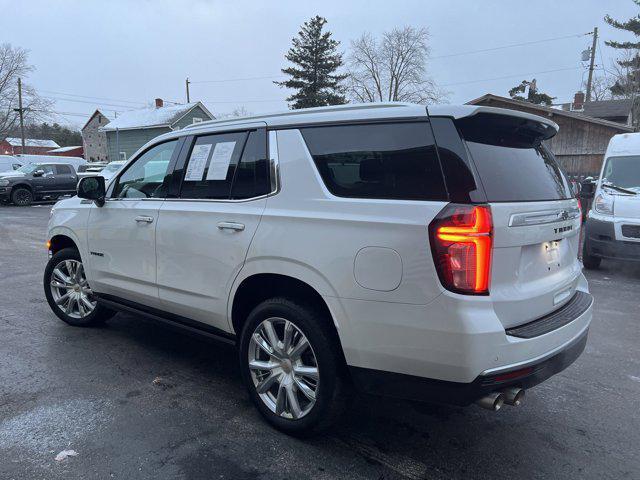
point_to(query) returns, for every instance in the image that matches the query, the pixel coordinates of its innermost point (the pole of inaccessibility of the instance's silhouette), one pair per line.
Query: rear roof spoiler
(462, 111)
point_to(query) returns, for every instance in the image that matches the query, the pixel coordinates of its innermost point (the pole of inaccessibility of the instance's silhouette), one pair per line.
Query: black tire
(100, 313)
(590, 262)
(331, 394)
(22, 197)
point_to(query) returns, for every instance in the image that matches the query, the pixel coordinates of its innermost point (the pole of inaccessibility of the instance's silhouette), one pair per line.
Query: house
(32, 146)
(71, 151)
(581, 142)
(619, 111)
(94, 141)
(134, 128)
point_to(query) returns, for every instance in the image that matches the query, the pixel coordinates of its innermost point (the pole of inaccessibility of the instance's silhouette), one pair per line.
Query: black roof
(608, 108)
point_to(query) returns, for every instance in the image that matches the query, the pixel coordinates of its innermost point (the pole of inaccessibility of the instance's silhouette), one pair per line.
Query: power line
(244, 101)
(89, 102)
(509, 76)
(93, 98)
(237, 79)
(533, 42)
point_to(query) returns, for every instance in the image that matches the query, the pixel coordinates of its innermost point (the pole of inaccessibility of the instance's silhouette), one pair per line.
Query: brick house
(94, 141)
(581, 142)
(134, 128)
(32, 146)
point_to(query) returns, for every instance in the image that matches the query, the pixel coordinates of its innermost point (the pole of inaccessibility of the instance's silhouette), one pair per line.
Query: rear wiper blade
(619, 189)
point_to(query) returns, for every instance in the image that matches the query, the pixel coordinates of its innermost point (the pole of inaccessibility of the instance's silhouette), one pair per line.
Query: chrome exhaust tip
(492, 401)
(513, 396)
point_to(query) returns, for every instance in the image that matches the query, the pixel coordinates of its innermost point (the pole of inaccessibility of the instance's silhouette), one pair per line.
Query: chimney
(159, 103)
(578, 101)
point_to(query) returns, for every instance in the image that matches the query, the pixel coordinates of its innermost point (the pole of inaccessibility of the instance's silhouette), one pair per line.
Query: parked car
(37, 181)
(111, 169)
(9, 163)
(97, 166)
(76, 162)
(613, 223)
(379, 246)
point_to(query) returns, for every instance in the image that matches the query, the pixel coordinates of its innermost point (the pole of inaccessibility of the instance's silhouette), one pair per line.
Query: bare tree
(13, 65)
(237, 112)
(393, 68)
(601, 88)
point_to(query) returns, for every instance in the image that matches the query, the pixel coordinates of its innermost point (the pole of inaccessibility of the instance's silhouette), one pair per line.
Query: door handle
(238, 227)
(144, 219)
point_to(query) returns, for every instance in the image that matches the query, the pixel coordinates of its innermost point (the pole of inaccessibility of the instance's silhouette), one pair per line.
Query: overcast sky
(121, 54)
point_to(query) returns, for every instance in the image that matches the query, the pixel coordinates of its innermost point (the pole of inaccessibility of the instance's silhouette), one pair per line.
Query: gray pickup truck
(37, 181)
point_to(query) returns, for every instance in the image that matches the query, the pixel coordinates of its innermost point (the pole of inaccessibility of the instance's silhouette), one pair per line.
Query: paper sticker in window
(220, 161)
(197, 162)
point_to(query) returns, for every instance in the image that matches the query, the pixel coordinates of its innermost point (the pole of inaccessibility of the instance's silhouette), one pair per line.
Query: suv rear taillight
(461, 247)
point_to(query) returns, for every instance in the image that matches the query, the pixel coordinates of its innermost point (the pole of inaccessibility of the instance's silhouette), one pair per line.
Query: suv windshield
(623, 172)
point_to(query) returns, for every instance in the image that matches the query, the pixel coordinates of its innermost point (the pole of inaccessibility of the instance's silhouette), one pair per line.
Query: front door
(204, 235)
(44, 181)
(122, 233)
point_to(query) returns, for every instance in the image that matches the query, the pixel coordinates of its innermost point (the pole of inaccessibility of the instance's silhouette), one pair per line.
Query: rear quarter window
(385, 161)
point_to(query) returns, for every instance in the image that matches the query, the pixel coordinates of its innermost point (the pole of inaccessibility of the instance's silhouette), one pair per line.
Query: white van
(613, 223)
(8, 163)
(73, 161)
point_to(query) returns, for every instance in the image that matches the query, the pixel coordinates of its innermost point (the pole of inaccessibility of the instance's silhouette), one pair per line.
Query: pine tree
(628, 81)
(532, 96)
(316, 60)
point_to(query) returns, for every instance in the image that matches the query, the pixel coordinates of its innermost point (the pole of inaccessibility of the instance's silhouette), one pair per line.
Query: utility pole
(187, 82)
(591, 63)
(20, 111)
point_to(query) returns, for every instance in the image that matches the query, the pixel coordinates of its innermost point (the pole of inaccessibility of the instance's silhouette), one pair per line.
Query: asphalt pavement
(136, 400)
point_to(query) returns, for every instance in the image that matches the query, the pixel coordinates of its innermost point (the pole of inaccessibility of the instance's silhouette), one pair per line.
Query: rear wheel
(68, 292)
(291, 366)
(590, 262)
(22, 197)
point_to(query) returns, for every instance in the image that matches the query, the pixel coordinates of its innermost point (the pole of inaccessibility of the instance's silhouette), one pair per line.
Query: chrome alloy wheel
(283, 368)
(70, 289)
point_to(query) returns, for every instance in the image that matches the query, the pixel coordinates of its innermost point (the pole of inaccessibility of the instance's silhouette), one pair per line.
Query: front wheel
(22, 197)
(68, 292)
(291, 366)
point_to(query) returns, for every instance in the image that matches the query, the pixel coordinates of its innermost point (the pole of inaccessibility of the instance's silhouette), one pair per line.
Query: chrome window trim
(274, 162)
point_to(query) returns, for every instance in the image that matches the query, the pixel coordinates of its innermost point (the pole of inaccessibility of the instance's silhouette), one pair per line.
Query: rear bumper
(452, 351)
(601, 241)
(524, 376)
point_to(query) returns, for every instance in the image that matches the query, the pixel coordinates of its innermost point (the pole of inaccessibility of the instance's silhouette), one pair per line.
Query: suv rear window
(511, 160)
(392, 161)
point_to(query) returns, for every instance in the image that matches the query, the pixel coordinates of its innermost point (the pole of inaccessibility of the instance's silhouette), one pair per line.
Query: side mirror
(38, 173)
(92, 188)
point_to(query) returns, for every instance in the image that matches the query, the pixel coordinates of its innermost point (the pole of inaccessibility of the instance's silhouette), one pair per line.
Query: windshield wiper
(619, 189)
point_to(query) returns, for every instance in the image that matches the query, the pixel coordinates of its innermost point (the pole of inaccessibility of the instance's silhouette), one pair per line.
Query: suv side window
(64, 170)
(383, 160)
(211, 166)
(252, 175)
(145, 177)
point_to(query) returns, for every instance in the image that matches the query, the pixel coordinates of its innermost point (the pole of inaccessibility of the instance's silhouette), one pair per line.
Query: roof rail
(303, 111)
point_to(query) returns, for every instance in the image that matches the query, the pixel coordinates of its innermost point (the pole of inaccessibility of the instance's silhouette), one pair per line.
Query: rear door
(204, 231)
(536, 222)
(66, 179)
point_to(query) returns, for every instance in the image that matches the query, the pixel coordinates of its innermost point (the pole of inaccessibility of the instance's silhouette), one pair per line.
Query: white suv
(430, 255)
